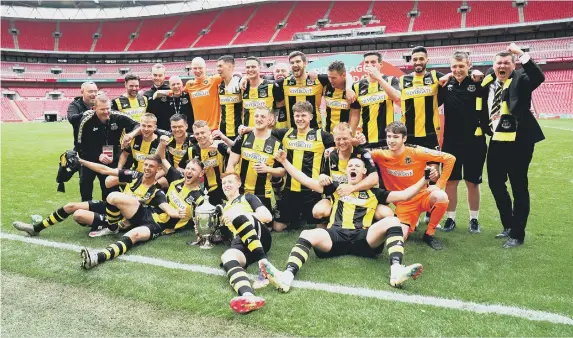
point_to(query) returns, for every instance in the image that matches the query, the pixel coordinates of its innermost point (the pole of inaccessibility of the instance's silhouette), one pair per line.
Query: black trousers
(510, 160)
(87, 178)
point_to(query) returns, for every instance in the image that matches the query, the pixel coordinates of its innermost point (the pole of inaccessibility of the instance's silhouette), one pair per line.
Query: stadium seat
(553, 98)
(394, 17)
(437, 15)
(346, 14)
(304, 14)
(7, 38)
(540, 11)
(36, 35)
(263, 24)
(9, 115)
(77, 36)
(115, 35)
(487, 13)
(225, 27)
(188, 30)
(152, 32)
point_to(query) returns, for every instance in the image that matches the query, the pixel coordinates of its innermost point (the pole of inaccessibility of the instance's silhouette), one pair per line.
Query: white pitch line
(560, 128)
(498, 309)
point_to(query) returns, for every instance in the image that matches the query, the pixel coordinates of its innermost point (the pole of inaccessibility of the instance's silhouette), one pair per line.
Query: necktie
(496, 106)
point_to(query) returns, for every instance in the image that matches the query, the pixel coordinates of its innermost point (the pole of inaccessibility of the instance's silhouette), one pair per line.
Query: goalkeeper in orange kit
(401, 165)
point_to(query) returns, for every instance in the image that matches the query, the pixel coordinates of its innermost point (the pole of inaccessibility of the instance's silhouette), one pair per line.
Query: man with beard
(131, 103)
(160, 107)
(231, 100)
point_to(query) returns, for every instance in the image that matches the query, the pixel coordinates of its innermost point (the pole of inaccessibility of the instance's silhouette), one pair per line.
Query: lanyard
(175, 106)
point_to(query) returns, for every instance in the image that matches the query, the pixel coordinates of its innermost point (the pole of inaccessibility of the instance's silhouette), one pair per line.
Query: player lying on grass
(174, 211)
(352, 228)
(245, 215)
(102, 217)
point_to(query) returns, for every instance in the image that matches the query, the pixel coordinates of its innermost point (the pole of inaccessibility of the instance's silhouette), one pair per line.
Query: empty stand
(115, 35)
(225, 27)
(36, 35)
(152, 32)
(77, 36)
(7, 38)
(559, 76)
(491, 13)
(263, 24)
(348, 11)
(8, 115)
(394, 16)
(188, 30)
(34, 108)
(304, 14)
(542, 10)
(553, 98)
(436, 15)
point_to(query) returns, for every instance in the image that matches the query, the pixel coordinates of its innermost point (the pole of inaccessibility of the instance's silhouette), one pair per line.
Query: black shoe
(474, 226)
(512, 243)
(503, 234)
(433, 242)
(450, 225)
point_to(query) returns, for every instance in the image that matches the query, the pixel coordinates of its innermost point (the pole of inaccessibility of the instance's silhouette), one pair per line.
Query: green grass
(471, 268)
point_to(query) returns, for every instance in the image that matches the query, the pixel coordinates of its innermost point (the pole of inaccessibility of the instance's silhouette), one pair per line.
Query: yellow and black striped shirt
(335, 167)
(419, 96)
(213, 163)
(304, 151)
(138, 149)
(132, 107)
(131, 183)
(175, 152)
(241, 205)
(377, 109)
(254, 150)
(337, 108)
(292, 92)
(258, 97)
(231, 111)
(355, 211)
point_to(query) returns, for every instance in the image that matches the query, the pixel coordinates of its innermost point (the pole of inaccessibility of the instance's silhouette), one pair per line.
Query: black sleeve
(161, 132)
(368, 162)
(277, 164)
(279, 134)
(159, 198)
(327, 139)
(396, 83)
(127, 122)
(184, 160)
(278, 91)
(439, 74)
(223, 149)
(114, 105)
(127, 176)
(236, 148)
(325, 166)
(330, 189)
(323, 79)
(254, 201)
(74, 114)
(173, 175)
(381, 195)
(534, 76)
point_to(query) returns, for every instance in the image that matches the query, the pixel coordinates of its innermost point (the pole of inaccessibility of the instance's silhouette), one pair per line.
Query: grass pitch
(45, 293)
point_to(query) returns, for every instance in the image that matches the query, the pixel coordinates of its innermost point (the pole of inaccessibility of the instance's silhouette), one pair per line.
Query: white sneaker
(399, 274)
(28, 228)
(260, 282)
(89, 259)
(103, 232)
(281, 280)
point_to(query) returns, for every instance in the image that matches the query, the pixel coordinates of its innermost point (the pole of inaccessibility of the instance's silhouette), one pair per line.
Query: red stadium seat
(553, 98)
(7, 38)
(304, 14)
(263, 24)
(116, 34)
(394, 16)
(188, 30)
(152, 32)
(36, 35)
(77, 36)
(491, 13)
(437, 15)
(8, 114)
(541, 11)
(225, 27)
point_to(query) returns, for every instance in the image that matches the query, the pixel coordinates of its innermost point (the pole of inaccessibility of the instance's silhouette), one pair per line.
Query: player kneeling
(351, 229)
(244, 215)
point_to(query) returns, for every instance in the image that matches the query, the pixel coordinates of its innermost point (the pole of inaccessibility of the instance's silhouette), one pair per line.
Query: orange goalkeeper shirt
(204, 96)
(402, 171)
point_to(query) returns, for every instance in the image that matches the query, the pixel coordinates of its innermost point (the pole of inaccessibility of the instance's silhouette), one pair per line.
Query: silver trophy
(206, 222)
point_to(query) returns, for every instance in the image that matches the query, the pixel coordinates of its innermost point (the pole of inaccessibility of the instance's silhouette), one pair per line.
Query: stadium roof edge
(103, 13)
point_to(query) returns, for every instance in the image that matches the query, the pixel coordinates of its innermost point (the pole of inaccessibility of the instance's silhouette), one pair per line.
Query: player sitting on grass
(101, 216)
(352, 228)
(244, 215)
(176, 211)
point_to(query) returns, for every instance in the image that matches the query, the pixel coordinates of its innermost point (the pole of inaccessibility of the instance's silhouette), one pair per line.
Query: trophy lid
(206, 207)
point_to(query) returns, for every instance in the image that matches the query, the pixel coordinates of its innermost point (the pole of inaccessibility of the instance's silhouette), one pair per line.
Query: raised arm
(297, 174)
(122, 159)
(100, 168)
(161, 148)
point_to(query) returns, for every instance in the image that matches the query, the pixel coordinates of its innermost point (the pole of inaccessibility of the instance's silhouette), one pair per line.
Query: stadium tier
(258, 23)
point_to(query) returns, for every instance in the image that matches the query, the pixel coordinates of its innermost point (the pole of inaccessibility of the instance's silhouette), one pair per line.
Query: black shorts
(144, 217)
(264, 237)
(430, 141)
(97, 207)
(293, 205)
(349, 242)
(470, 157)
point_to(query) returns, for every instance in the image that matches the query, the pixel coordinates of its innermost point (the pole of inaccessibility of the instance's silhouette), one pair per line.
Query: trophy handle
(207, 243)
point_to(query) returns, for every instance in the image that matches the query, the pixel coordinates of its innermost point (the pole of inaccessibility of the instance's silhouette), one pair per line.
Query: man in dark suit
(507, 118)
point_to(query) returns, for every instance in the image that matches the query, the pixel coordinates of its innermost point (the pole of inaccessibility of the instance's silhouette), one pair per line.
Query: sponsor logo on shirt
(210, 163)
(353, 200)
(336, 104)
(401, 173)
(372, 98)
(229, 99)
(254, 156)
(254, 104)
(200, 93)
(418, 91)
(299, 144)
(300, 91)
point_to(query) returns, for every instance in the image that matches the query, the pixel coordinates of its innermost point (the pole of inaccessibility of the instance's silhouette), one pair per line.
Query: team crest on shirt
(189, 199)
(292, 135)
(428, 81)
(363, 195)
(113, 126)
(363, 91)
(136, 146)
(408, 160)
(205, 81)
(311, 138)
(506, 124)
(268, 149)
(164, 99)
(471, 88)
(451, 87)
(184, 101)
(213, 153)
(263, 93)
